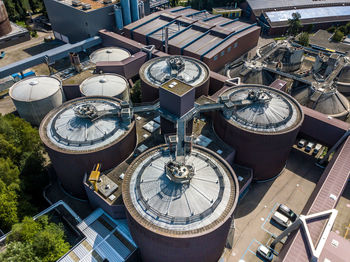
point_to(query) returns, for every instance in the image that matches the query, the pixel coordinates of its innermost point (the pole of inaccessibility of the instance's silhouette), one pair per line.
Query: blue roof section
(309, 13)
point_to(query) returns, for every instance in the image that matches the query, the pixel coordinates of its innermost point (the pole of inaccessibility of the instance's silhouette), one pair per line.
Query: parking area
(252, 216)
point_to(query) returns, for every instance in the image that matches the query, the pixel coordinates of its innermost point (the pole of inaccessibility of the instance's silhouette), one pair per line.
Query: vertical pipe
(118, 17)
(134, 4)
(166, 47)
(141, 9)
(126, 11)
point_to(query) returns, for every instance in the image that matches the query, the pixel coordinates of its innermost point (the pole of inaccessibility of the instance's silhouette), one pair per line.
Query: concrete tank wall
(5, 26)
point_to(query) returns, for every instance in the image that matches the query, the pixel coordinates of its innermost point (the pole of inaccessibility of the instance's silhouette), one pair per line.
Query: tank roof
(172, 206)
(109, 54)
(186, 69)
(69, 127)
(35, 88)
(344, 75)
(263, 109)
(104, 85)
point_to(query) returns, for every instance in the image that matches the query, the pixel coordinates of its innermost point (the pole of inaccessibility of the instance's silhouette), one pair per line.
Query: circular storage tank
(343, 82)
(75, 142)
(5, 25)
(109, 54)
(106, 85)
(262, 128)
(157, 71)
(184, 215)
(34, 97)
(325, 100)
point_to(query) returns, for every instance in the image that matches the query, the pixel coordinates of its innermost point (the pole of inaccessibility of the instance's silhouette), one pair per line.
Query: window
(215, 58)
(222, 53)
(229, 49)
(235, 45)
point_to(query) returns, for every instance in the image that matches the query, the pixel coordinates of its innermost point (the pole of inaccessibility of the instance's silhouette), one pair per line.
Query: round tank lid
(160, 70)
(79, 126)
(344, 75)
(262, 109)
(192, 196)
(104, 85)
(35, 88)
(109, 54)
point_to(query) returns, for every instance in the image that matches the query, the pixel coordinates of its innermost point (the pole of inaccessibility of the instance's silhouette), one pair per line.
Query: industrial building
(273, 15)
(214, 39)
(34, 97)
(89, 16)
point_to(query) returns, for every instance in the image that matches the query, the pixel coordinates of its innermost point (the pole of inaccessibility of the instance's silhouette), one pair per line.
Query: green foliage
(8, 207)
(136, 92)
(33, 33)
(304, 39)
(332, 29)
(45, 240)
(22, 171)
(338, 36)
(18, 9)
(17, 251)
(294, 24)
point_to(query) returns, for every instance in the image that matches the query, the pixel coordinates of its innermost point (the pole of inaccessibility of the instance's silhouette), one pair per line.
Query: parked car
(309, 146)
(317, 149)
(302, 143)
(281, 220)
(264, 253)
(286, 211)
(2, 54)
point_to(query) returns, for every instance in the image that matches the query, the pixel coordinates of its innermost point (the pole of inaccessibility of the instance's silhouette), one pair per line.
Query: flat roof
(309, 13)
(279, 4)
(94, 4)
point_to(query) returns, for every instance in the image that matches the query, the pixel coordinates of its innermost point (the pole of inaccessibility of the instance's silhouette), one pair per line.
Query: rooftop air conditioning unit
(86, 6)
(76, 3)
(107, 1)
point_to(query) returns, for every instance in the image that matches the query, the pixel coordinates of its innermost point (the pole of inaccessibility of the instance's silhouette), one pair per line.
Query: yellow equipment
(95, 175)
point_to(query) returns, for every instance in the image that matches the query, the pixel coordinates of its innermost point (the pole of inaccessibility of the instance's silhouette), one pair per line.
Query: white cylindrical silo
(112, 85)
(34, 97)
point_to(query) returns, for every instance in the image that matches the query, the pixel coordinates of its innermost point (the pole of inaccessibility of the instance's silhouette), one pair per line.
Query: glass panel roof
(309, 13)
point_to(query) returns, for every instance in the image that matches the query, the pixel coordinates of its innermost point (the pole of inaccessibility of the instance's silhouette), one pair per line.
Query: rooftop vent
(86, 6)
(76, 3)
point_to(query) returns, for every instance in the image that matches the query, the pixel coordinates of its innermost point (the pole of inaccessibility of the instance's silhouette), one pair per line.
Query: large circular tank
(343, 82)
(106, 85)
(109, 54)
(34, 97)
(262, 127)
(5, 26)
(326, 100)
(83, 132)
(157, 71)
(180, 212)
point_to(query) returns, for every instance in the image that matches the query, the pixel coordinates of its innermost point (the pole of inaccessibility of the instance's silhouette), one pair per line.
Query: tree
(304, 39)
(47, 240)
(8, 206)
(9, 173)
(294, 24)
(338, 36)
(17, 251)
(136, 92)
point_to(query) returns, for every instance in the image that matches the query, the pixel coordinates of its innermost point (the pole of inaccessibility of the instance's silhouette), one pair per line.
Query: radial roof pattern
(35, 88)
(69, 131)
(104, 85)
(160, 70)
(208, 197)
(269, 111)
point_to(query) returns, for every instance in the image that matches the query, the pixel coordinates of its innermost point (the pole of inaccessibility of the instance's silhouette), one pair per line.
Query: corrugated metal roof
(333, 181)
(100, 242)
(35, 88)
